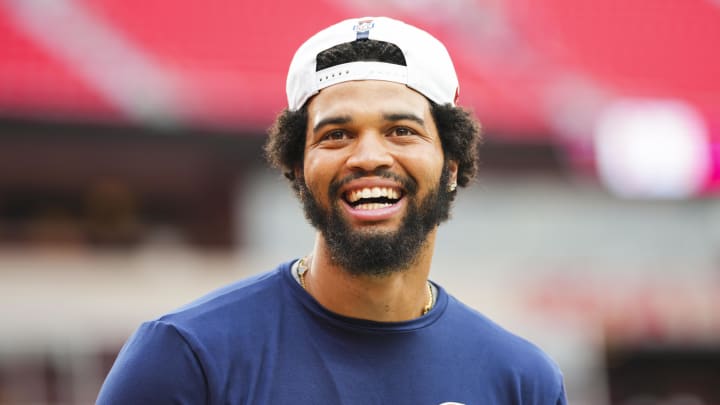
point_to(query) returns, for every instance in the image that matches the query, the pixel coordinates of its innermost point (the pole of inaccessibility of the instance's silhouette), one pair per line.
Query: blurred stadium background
(131, 178)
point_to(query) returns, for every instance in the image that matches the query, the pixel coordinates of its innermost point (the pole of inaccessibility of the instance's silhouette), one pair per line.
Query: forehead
(367, 97)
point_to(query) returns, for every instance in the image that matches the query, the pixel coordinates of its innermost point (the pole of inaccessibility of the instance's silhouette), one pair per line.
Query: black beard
(378, 253)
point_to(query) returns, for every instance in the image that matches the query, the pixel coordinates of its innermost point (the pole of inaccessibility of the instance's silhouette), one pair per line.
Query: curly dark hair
(458, 129)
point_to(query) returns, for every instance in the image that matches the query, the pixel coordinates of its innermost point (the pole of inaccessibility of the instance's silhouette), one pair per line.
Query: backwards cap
(429, 68)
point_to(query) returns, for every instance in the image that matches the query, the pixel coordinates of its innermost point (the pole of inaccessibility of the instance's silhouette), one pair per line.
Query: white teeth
(372, 206)
(374, 192)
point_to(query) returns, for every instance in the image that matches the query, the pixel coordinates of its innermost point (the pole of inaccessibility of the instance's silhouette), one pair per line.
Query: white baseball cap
(429, 69)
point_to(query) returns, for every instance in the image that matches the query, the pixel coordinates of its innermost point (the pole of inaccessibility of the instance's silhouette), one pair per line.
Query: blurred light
(652, 149)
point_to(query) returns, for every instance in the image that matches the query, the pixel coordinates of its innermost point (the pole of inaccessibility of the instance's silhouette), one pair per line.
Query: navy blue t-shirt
(264, 340)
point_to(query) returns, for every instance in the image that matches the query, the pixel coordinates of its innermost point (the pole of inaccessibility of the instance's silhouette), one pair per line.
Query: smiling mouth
(373, 198)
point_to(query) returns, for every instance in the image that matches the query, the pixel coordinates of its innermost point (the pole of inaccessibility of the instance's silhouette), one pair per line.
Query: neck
(399, 296)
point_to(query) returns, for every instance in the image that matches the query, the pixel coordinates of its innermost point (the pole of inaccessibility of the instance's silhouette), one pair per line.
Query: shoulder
(519, 362)
(188, 350)
(474, 325)
(235, 299)
(154, 364)
(212, 322)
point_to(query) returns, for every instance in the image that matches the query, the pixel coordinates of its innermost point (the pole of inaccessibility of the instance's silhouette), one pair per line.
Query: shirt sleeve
(155, 366)
(562, 398)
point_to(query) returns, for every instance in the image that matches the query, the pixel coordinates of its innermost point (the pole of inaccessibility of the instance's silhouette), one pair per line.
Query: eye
(402, 131)
(335, 135)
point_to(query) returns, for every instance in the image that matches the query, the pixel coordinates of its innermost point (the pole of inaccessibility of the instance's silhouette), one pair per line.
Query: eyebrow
(403, 116)
(344, 119)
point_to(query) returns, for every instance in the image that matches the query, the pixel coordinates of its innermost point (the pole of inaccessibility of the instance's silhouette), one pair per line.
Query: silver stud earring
(451, 187)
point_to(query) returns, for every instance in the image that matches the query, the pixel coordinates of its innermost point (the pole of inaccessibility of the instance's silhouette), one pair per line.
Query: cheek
(427, 166)
(312, 169)
(318, 175)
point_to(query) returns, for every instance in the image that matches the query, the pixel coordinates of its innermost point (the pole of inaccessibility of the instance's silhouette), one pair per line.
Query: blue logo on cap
(364, 26)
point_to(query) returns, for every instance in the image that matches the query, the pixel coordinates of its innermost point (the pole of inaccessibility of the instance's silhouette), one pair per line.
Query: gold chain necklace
(303, 268)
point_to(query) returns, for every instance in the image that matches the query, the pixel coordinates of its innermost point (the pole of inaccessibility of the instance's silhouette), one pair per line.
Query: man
(374, 146)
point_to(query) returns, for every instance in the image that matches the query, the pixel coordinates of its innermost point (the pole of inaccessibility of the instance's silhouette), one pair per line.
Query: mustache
(408, 183)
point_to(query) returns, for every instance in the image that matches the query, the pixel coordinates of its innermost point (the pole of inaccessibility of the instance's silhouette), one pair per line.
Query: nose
(369, 153)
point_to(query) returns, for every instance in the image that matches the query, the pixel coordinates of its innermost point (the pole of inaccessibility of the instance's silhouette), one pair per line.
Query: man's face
(375, 180)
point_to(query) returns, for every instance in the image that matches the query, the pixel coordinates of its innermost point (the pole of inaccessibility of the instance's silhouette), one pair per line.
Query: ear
(453, 168)
(298, 172)
(298, 182)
